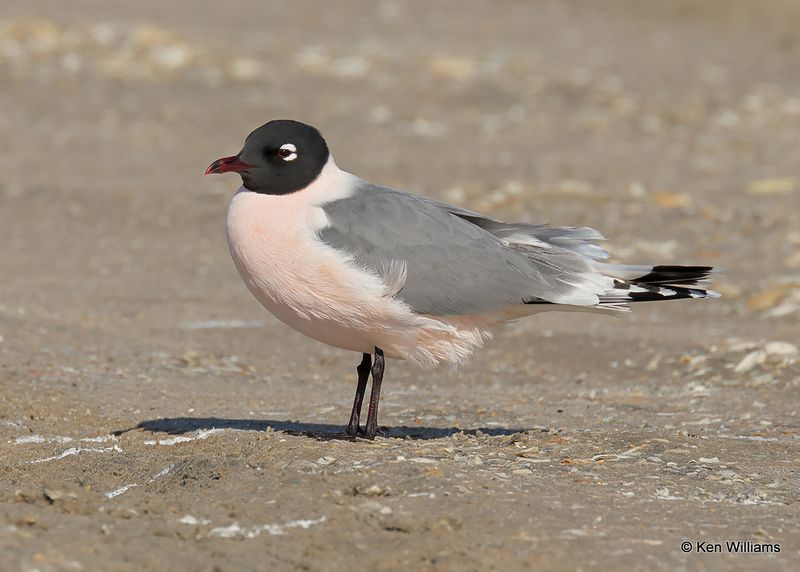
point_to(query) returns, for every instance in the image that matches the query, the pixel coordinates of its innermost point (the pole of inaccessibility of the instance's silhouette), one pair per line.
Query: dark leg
(375, 397)
(363, 375)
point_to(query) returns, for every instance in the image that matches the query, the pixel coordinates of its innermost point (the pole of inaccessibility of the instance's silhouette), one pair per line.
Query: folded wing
(459, 262)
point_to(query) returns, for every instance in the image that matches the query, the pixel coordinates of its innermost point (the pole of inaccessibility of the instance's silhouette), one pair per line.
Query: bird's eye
(287, 152)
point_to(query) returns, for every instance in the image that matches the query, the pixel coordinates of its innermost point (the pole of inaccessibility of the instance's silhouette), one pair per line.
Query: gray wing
(457, 262)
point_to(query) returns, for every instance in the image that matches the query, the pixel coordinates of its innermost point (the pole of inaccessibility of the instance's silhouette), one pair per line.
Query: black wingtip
(673, 274)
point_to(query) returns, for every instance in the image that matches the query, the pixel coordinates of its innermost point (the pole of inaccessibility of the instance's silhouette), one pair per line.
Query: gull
(383, 272)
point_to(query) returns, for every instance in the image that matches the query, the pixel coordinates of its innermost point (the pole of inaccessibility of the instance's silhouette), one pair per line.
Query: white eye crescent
(287, 152)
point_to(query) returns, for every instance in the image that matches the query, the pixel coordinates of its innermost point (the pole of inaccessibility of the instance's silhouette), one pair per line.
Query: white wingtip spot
(706, 294)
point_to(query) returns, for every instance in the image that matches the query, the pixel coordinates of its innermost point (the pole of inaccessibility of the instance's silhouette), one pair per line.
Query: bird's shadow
(319, 431)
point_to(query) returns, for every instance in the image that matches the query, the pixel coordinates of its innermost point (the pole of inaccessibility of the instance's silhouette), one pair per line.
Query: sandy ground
(153, 416)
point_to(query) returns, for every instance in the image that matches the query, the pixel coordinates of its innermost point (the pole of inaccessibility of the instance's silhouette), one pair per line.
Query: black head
(278, 158)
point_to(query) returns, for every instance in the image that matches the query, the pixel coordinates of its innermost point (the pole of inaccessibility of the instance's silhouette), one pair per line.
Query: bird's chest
(274, 247)
(306, 284)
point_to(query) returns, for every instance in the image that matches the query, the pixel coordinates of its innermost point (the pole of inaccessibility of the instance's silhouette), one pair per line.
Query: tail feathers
(656, 283)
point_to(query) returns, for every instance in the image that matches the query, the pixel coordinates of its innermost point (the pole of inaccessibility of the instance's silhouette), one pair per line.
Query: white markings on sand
(193, 520)
(201, 434)
(426, 495)
(119, 491)
(28, 439)
(100, 439)
(235, 529)
(161, 473)
(170, 441)
(37, 439)
(126, 488)
(76, 450)
(41, 439)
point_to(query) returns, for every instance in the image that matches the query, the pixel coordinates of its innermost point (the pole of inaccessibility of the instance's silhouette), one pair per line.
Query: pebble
(777, 186)
(244, 69)
(173, 57)
(751, 360)
(471, 460)
(788, 306)
(671, 200)
(664, 494)
(375, 506)
(573, 187)
(377, 491)
(530, 452)
(781, 349)
(452, 67)
(351, 67)
(765, 299)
